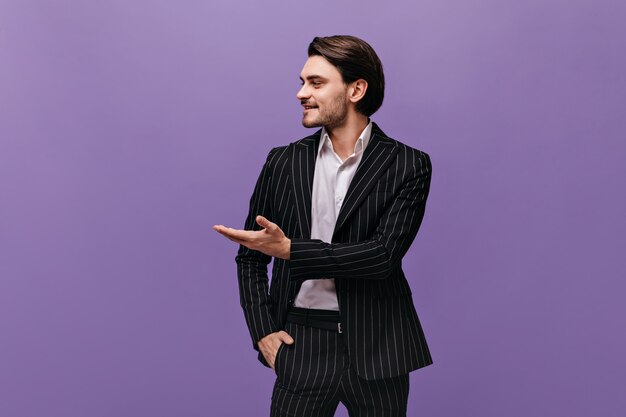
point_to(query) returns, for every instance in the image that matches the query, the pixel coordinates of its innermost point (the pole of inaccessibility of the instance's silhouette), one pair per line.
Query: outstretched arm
(370, 259)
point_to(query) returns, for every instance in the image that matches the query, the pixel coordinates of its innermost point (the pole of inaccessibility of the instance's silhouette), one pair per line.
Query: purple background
(129, 128)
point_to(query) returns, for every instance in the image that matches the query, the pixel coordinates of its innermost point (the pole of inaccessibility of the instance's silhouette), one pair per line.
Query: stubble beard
(333, 116)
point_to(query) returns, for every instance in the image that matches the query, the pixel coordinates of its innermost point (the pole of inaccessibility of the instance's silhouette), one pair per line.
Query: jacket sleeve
(252, 265)
(376, 257)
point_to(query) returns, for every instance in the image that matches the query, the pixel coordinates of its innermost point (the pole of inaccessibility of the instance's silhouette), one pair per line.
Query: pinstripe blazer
(380, 216)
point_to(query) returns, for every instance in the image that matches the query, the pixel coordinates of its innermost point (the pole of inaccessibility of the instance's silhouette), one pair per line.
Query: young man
(337, 210)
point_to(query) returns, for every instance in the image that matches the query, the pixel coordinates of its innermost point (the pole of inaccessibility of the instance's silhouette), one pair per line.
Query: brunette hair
(355, 59)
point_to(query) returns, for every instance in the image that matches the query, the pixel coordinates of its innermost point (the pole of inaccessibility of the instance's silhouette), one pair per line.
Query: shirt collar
(361, 142)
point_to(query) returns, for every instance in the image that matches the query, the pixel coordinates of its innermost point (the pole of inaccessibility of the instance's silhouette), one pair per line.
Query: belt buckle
(339, 327)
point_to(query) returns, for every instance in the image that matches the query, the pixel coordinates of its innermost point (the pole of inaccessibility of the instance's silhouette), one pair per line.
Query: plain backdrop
(129, 127)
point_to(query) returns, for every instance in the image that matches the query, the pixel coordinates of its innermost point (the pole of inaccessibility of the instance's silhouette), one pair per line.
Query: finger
(242, 235)
(221, 229)
(268, 355)
(275, 353)
(228, 236)
(286, 338)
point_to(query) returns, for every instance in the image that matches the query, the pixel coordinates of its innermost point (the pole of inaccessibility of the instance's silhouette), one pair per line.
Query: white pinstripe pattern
(377, 223)
(314, 375)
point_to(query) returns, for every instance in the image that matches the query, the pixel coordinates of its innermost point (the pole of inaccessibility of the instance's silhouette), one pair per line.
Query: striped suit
(379, 218)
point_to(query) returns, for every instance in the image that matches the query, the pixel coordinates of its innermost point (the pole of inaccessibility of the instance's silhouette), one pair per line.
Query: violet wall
(129, 128)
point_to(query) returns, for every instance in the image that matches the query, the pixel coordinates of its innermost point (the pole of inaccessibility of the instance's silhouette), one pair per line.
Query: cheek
(322, 96)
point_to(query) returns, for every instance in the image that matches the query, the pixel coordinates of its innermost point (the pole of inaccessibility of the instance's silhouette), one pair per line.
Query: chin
(310, 123)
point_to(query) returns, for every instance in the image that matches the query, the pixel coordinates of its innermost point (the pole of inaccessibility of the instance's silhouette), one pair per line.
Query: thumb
(262, 221)
(266, 224)
(285, 338)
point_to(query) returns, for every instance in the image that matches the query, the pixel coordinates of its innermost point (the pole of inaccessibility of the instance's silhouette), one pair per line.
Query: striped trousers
(313, 375)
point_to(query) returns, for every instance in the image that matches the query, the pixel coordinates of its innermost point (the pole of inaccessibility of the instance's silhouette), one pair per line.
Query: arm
(252, 264)
(376, 257)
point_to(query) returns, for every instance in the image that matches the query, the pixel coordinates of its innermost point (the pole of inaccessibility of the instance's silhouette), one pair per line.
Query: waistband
(311, 317)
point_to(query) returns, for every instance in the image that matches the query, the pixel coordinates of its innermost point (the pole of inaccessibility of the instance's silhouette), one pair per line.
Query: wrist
(287, 251)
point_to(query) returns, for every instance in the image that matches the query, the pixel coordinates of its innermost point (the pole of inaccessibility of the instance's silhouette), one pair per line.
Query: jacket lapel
(303, 156)
(376, 159)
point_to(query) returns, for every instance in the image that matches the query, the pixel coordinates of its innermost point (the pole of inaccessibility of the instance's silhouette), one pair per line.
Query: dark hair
(355, 59)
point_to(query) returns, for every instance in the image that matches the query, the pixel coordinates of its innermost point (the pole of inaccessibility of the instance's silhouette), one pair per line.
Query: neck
(345, 135)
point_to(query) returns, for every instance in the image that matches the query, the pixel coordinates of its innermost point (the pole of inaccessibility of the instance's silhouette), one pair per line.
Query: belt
(320, 319)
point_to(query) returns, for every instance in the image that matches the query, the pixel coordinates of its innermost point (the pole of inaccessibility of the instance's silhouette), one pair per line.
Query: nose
(303, 93)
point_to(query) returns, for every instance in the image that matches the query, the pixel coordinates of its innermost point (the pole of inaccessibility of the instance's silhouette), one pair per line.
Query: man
(337, 211)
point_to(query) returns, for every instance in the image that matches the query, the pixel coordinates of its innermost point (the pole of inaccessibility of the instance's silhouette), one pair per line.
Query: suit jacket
(380, 216)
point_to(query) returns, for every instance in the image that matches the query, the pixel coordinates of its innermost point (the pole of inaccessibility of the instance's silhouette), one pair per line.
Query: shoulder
(310, 140)
(275, 153)
(282, 152)
(419, 159)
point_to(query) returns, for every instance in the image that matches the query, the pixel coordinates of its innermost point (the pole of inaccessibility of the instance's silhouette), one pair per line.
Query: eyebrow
(314, 77)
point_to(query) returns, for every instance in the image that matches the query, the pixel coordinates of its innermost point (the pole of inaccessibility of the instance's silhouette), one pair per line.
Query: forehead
(318, 66)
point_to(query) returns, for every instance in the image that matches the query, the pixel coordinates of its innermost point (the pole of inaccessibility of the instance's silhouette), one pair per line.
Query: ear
(357, 90)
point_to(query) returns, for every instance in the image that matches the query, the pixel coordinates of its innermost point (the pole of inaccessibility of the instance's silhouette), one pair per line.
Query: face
(323, 95)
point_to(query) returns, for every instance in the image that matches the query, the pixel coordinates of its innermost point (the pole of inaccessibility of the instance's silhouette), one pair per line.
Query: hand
(269, 345)
(271, 240)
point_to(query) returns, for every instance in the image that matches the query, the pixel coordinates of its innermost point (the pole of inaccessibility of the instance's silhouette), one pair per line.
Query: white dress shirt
(330, 184)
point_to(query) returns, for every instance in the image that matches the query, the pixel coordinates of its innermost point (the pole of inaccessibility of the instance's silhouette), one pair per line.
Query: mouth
(307, 108)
